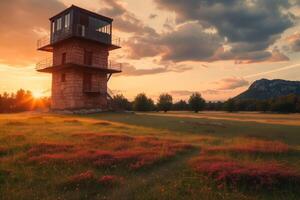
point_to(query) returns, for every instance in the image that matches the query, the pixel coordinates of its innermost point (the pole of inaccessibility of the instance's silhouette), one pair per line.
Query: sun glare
(37, 95)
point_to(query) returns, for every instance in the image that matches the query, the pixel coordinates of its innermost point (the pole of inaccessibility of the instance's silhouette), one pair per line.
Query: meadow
(177, 155)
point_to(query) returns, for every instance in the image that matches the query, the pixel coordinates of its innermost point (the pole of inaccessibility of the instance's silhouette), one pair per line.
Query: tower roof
(73, 7)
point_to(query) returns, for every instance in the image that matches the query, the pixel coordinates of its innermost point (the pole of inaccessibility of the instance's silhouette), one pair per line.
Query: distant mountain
(267, 89)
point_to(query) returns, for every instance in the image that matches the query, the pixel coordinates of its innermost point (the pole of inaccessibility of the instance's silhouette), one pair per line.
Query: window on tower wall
(88, 57)
(53, 27)
(67, 20)
(99, 25)
(63, 58)
(63, 77)
(58, 24)
(87, 82)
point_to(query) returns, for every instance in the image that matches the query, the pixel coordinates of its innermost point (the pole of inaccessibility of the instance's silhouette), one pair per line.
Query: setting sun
(37, 94)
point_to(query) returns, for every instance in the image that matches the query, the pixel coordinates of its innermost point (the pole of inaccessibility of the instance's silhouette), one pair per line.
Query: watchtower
(80, 41)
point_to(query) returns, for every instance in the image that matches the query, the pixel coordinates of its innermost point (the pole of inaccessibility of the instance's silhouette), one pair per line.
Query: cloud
(231, 83)
(124, 20)
(152, 16)
(142, 46)
(181, 92)
(293, 42)
(189, 42)
(130, 70)
(184, 93)
(248, 27)
(278, 56)
(212, 92)
(143, 41)
(22, 23)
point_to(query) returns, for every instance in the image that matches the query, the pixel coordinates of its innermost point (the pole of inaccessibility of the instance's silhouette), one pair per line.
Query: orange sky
(165, 48)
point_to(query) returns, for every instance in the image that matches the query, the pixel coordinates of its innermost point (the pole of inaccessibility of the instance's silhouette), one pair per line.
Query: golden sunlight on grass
(137, 156)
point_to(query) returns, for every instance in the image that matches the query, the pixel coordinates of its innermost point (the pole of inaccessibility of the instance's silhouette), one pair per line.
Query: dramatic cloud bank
(204, 31)
(247, 28)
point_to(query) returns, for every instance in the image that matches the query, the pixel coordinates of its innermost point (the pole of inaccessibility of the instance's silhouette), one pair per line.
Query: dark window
(88, 57)
(87, 82)
(81, 30)
(84, 20)
(63, 77)
(63, 58)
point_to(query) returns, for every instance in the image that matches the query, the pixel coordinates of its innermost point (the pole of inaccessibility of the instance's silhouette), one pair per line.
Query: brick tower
(80, 41)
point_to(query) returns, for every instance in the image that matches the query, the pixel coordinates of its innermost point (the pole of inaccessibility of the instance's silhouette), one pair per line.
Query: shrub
(46, 158)
(109, 180)
(82, 177)
(46, 148)
(238, 174)
(230, 106)
(252, 146)
(143, 103)
(121, 103)
(196, 102)
(165, 102)
(88, 180)
(180, 106)
(128, 151)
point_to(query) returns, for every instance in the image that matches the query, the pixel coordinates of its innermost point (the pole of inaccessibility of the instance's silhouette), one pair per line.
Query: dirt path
(154, 176)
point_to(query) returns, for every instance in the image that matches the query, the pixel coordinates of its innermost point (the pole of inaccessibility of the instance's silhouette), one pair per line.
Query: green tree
(180, 105)
(143, 103)
(24, 100)
(165, 102)
(121, 103)
(230, 105)
(196, 102)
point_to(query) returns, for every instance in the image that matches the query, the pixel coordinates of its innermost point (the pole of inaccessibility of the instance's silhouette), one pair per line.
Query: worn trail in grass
(147, 179)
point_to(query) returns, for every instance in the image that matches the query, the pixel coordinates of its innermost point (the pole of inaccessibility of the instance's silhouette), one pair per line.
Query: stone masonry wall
(74, 50)
(69, 94)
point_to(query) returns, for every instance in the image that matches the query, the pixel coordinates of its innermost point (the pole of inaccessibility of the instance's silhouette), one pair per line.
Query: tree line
(24, 101)
(195, 103)
(165, 103)
(21, 101)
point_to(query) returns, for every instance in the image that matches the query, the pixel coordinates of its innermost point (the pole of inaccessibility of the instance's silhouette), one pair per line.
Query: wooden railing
(44, 63)
(48, 62)
(44, 41)
(79, 32)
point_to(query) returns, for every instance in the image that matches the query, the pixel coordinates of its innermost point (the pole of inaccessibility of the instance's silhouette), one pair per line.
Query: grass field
(178, 155)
